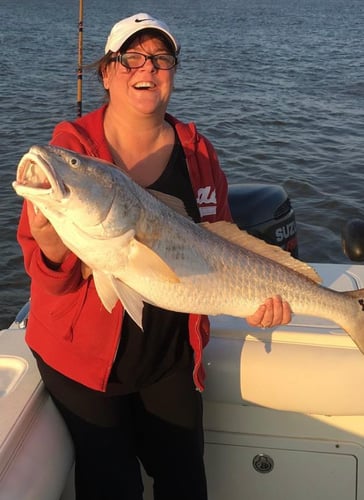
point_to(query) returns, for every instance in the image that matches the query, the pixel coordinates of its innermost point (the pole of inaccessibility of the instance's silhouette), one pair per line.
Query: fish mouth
(35, 176)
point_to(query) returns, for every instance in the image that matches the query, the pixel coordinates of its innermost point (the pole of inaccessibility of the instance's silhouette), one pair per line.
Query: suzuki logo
(284, 232)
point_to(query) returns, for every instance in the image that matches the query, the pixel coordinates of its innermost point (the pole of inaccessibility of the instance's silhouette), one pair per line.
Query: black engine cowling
(265, 211)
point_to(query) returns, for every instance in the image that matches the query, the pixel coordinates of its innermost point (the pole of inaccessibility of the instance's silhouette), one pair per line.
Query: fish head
(66, 185)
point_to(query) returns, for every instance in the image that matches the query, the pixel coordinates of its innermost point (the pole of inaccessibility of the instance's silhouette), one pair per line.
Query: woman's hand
(44, 234)
(273, 312)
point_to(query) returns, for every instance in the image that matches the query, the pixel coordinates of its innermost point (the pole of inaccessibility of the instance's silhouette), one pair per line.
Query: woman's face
(145, 90)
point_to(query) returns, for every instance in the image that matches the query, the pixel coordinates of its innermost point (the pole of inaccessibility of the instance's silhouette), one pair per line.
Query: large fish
(141, 248)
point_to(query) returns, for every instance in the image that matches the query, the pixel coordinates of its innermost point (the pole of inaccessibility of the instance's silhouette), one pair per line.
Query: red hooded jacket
(68, 325)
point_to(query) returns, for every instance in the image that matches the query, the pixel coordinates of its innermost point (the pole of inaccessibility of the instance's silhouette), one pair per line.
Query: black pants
(161, 426)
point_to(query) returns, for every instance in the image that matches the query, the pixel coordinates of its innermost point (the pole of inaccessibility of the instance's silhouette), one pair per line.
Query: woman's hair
(100, 65)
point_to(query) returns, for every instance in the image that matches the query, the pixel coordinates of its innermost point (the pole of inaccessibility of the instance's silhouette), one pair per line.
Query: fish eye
(75, 162)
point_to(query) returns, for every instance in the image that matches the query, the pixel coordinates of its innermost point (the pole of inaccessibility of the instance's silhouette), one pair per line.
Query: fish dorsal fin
(171, 201)
(232, 233)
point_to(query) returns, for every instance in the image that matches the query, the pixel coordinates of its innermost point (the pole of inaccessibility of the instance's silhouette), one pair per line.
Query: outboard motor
(265, 211)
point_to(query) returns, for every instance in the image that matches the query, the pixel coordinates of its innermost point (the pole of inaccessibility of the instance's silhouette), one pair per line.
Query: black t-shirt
(143, 357)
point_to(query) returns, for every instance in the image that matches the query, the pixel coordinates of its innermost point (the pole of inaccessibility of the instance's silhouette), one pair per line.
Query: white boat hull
(284, 413)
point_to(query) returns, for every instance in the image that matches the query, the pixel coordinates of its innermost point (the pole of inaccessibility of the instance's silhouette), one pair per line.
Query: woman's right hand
(45, 235)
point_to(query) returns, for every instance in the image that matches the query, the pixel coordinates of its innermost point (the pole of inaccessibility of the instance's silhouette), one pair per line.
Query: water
(276, 85)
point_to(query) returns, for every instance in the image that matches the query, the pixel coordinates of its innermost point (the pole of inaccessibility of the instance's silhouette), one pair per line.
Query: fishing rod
(79, 67)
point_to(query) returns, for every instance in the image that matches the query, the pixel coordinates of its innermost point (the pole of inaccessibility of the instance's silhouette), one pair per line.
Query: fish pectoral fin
(142, 260)
(231, 232)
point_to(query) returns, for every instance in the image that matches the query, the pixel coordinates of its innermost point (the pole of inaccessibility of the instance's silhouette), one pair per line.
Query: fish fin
(171, 201)
(110, 290)
(144, 261)
(86, 271)
(353, 324)
(132, 301)
(105, 290)
(232, 233)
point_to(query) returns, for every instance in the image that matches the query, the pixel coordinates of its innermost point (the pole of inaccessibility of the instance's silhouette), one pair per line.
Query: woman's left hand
(273, 312)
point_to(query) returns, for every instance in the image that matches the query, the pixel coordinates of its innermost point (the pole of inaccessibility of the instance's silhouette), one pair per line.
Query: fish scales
(142, 248)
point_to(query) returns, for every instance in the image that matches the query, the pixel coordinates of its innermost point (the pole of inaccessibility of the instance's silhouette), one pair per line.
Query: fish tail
(355, 323)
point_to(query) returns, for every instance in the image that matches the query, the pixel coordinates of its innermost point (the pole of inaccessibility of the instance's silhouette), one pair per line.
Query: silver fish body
(142, 250)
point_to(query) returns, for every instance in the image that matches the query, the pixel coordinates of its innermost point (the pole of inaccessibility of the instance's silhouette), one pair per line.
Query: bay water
(276, 85)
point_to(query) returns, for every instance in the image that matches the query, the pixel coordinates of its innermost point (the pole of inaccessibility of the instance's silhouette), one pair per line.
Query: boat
(283, 407)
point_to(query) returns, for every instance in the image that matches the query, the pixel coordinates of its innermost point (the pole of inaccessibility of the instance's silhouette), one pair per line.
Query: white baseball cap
(127, 27)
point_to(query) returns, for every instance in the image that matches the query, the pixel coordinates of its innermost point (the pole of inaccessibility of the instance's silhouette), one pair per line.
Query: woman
(127, 395)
